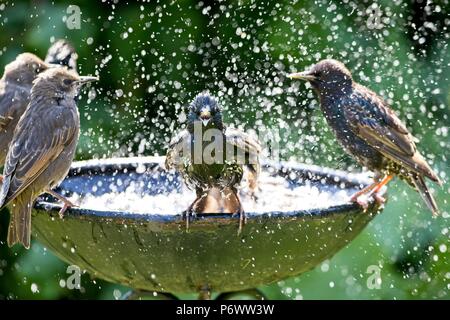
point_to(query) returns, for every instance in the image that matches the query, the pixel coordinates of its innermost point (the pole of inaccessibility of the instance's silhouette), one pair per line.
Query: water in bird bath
(275, 193)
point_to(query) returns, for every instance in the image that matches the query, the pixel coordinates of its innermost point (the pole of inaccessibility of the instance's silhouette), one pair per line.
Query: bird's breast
(348, 139)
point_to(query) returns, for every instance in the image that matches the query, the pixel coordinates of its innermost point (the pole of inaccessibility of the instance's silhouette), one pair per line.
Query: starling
(42, 148)
(369, 130)
(62, 53)
(16, 83)
(15, 87)
(203, 169)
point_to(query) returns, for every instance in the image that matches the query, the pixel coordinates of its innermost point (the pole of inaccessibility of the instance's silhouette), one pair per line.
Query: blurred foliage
(152, 58)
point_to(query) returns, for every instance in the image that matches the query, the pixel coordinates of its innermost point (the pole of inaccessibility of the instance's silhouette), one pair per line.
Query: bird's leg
(240, 211)
(191, 210)
(375, 191)
(372, 190)
(187, 213)
(365, 190)
(1, 179)
(66, 202)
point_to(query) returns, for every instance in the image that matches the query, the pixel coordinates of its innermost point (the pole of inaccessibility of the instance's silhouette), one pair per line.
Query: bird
(15, 87)
(42, 148)
(16, 83)
(213, 172)
(62, 53)
(370, 131)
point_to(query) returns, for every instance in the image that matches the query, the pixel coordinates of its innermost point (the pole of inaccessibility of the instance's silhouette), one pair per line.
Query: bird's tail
(425, 193)
(61, 52)
(20, 221)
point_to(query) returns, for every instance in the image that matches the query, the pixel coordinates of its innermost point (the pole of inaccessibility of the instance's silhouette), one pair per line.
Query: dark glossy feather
(63, 53)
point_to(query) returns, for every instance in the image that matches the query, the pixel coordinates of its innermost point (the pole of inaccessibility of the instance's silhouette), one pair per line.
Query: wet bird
(369, 130)
(62, 53)
(15, 87)
(42, 148)
(16, 83)
(210, 172)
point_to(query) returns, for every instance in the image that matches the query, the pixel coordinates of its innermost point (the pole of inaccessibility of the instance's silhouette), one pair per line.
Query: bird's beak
(86, 79)
(205, 116)
(305, 75)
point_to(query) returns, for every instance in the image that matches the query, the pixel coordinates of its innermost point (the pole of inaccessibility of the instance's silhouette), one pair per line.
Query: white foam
(274, 194)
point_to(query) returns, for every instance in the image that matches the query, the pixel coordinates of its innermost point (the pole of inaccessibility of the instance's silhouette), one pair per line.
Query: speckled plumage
(223, 174)
(15, 87)
(42, 147)
(63, 53)
(16, 83)
(367, 128)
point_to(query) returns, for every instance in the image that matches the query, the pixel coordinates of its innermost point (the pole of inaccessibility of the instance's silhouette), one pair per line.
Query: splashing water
(275, 194)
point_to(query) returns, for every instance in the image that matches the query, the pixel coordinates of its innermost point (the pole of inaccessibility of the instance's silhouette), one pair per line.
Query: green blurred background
(152, 58)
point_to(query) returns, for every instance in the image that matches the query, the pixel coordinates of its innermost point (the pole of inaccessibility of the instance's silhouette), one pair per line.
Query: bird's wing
(10, 102)
(242, 141)
(248, 146)
(179, 144)
(38, 140)
(372, 120)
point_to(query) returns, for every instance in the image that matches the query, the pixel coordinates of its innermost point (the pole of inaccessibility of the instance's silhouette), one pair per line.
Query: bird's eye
(68, 82)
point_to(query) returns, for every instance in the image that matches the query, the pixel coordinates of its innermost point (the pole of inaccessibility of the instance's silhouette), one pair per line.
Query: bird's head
(205, 111)
(327, 76)
(24, 69)
(59, 83)
(62, 53)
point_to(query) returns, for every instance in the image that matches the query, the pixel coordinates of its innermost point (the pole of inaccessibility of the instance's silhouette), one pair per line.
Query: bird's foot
(187, 216)
(242, 220)
(363, 201)
(66, 205)
(380, 200)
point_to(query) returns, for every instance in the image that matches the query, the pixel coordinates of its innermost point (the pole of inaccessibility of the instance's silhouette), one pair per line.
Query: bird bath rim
(95, 166)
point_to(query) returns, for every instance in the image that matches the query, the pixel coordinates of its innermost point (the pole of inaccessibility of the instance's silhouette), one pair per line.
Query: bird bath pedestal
(154, 253)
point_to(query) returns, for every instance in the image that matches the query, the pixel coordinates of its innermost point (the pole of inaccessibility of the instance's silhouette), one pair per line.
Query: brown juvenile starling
(369, 130)
(15, 86)
(188, 153)
(42, 148)
(16, 83)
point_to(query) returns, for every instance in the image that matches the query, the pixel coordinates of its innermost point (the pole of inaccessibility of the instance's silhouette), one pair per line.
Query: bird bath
(151, 251)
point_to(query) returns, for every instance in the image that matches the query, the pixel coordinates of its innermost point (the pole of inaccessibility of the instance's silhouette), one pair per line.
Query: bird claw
(380, 200)
(67, 205)
(362, 201)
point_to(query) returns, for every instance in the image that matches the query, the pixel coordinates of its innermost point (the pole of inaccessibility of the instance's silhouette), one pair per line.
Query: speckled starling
(369, 130)
(16, 83)
(188, 153)
(15, 86)
(42, 148)
(62, 53)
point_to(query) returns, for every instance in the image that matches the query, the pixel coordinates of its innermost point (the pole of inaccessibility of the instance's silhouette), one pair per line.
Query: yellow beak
(302, 76)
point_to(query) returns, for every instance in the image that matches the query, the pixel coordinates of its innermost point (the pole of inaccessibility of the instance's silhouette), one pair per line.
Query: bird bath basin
(153, 252)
